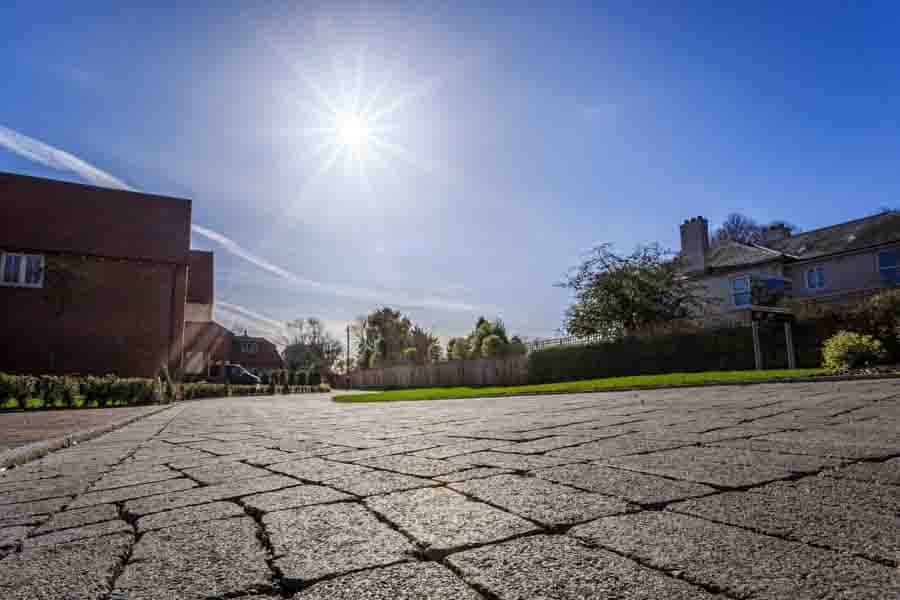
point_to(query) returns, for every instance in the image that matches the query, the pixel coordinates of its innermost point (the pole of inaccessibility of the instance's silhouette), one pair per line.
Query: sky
(452, 159)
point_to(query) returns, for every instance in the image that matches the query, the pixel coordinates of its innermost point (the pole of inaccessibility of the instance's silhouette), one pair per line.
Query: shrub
(724, 349)
(849, 350)
(324, 387)
(70, 391)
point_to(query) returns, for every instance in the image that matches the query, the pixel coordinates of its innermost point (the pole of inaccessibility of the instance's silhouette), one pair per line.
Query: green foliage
(618, 294)
(492, 346)
(516, 346)
(386, 338)
(311, 348)
(725, 349)
(458, 348)
(849, 350)
(65, 391)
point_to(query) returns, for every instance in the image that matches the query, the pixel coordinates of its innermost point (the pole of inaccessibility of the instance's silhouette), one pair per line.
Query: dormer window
(249, 347)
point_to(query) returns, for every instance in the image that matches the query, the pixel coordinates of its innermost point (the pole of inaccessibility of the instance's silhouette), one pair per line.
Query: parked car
(232, 373)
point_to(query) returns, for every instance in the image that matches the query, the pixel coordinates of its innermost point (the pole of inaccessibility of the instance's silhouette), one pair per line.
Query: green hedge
(190, 391)
(65, 391)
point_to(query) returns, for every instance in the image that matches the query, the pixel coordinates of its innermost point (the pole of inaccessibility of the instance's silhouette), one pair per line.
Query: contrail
(45, 154)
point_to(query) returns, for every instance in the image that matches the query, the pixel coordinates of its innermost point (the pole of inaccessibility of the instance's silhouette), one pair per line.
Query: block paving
(755, 492)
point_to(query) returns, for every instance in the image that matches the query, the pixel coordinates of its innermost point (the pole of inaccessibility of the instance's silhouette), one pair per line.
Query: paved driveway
(787, 491)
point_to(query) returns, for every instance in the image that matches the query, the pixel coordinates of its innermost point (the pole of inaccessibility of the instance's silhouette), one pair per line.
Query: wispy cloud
(45, 154)
(50, 156)
(327, 288)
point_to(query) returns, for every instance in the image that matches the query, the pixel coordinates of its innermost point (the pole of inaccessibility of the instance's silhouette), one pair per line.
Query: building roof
(266, 356)
(735, 254)
(843, 237)
(59, 216)
(852, 235)
(200, 277)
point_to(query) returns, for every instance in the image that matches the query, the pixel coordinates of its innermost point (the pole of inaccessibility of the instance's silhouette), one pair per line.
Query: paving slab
(317, 541)
(616, 446)
(637, 487)
(877, 472)
(561, 568)
(199, 560)
(126, 477)
(548, 503)
(202, 495)
(770, 491)
(192, 514)
(412, 465)
(76, 533)
(408, 581)
(133, 491)
(441, 520)
(79, 517)
(803, 516)
(233, 471)
(294, 497)
(79, 570)
(379, 482)
(474, 473)
(737, 561)
(518, 462)
(316, 469)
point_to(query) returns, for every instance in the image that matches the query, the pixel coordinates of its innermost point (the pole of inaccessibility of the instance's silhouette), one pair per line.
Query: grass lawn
(587, 385)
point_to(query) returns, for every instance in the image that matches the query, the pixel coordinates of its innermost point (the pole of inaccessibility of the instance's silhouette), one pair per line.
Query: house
(258, 355)
(92, 280)
(840, 264)
(208, 343)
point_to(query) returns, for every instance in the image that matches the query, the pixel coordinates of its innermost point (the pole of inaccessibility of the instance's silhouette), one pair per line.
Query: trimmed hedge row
(64, 391)
(29, 392)
(725, 349)
(191, 391)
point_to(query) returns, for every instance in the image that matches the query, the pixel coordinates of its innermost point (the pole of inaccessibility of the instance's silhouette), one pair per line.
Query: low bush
(850, 350)
(69, 391)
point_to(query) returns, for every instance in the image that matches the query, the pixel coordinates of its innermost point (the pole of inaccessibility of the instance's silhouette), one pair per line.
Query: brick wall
(95, 315)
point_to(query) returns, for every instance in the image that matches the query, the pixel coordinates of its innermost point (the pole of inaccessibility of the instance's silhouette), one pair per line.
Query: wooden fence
(483, 371)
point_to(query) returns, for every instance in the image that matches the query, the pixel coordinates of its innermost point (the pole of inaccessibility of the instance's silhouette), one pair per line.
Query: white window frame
(735, 293)
(895, 268)
(820, 281)
(23, 270)
(249, 347)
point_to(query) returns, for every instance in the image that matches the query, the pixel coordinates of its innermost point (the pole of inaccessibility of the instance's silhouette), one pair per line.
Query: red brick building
(92, 280)
(207, 342)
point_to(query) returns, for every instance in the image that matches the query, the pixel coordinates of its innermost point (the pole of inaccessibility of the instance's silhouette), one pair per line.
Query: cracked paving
(755, 492)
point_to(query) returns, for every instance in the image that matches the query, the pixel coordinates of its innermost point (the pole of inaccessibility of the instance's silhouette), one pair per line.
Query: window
(249, 347)
(740, 290)
(887, 266)
(22, 270)
(815, 278)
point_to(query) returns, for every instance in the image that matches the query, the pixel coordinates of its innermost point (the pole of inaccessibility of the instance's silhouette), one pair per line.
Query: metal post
(347, 364)
(789, 340)
(757, 351)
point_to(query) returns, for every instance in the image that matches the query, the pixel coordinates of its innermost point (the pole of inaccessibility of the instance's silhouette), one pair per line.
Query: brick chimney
(774, 233)
(695, 243)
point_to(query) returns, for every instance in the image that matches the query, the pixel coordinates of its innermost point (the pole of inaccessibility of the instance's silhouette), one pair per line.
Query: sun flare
(353, 131)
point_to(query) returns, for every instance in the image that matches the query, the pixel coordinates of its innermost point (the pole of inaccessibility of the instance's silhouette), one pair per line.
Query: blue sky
(512, 138)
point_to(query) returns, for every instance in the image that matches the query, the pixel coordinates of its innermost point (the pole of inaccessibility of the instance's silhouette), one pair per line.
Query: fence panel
(512, 370)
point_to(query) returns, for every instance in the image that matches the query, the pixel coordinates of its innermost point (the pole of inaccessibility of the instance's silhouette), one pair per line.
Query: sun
(357, 126)
(353, 131)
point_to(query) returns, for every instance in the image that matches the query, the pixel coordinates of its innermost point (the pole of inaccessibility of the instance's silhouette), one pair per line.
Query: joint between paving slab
(677, 575)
